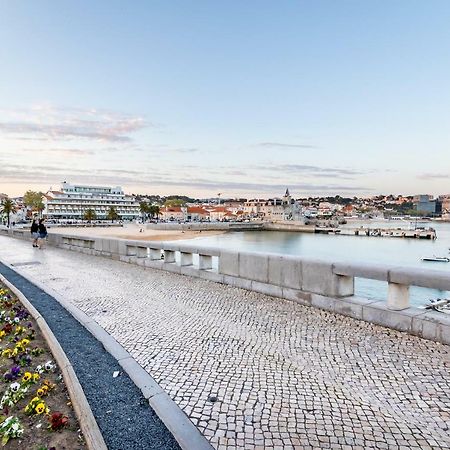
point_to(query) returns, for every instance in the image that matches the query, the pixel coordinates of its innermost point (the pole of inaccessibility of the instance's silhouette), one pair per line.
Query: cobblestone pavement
(284, 376)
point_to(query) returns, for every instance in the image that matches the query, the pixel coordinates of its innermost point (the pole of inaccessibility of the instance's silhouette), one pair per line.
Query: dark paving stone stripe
(122, 413)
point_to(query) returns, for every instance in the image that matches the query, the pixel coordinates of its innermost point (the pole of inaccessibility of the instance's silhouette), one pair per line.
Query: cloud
(53, 123)
(52, 175)
(280, 144)
(61, 151)
(185, 150)
(311, 171)
(434, 176)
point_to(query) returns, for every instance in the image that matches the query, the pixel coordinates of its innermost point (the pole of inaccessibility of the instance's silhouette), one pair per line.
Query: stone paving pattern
(285, 376)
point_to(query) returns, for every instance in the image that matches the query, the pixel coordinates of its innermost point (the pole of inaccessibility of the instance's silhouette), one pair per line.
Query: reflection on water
(395, 251)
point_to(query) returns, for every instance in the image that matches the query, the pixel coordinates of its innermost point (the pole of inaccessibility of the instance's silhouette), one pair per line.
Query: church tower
(287, 197)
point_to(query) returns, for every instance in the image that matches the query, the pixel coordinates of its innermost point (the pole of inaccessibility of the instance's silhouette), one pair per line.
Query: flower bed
(35, 408)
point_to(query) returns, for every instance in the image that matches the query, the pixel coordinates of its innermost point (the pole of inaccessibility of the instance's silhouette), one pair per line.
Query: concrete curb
(88, 424)
(176, 421)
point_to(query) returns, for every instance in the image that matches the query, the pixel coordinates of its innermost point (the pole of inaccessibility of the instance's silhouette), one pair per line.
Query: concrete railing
(324, 284)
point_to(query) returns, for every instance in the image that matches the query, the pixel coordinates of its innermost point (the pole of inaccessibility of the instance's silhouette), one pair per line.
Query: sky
(242, 98)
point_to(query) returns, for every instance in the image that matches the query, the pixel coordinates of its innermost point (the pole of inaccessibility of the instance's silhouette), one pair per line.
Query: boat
(436, 259)
(438, 304)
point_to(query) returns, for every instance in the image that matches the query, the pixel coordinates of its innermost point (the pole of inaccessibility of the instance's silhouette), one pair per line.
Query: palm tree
(90, 215)
(112, 214)
(145, 209)
(154, 210)
(8, 207)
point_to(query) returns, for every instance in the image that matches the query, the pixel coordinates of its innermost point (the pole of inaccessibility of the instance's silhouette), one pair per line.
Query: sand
(131, 231)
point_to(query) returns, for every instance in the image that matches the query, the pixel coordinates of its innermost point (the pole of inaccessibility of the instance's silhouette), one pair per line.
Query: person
(42, 233)
(34, 232)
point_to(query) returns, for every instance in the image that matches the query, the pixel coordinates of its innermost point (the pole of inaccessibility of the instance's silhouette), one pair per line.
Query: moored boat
(436, 259)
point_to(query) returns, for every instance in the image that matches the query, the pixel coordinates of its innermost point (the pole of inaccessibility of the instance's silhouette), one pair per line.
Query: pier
(290, 356)
(419, 233)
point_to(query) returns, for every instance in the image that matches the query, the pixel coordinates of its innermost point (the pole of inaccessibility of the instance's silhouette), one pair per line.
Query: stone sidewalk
(255, 372)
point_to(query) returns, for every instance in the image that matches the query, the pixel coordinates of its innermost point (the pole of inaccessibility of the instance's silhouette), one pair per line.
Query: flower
(40, 408)
(14, 387)
(41, 392)
(10, 428)
(49, 366)
(26, 377)
(7, 353)
(57, 421)
(36, 377)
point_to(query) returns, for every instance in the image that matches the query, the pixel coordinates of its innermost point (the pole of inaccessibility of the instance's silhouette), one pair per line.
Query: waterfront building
(196, 214)
(445, 203)
(274, 209)
(184, 214)
(424, 204)
(172, 213)
(72, 201)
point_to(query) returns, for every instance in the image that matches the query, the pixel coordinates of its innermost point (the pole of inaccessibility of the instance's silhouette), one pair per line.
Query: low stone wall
(207, 226)
(324, 284)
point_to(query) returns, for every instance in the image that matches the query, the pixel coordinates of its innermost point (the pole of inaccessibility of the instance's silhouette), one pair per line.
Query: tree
(7, 208)
(175, 202)
(154, 210)
(112, 214)
(33, 200)
(145, 209)
(90, 215)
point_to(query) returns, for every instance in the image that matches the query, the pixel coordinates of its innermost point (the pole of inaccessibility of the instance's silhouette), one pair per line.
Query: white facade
(275, 209)
(72, 201)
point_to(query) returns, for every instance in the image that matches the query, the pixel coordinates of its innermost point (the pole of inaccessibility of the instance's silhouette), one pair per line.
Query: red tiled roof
(197, 209)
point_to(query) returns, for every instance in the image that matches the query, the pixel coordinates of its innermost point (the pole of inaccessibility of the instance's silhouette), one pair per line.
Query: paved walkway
(285, 376)
(123, 415)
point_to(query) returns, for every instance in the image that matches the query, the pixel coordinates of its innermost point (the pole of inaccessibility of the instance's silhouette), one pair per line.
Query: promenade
(283, 375)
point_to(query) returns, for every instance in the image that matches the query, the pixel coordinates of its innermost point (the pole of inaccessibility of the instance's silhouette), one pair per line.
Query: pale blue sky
(239, 97)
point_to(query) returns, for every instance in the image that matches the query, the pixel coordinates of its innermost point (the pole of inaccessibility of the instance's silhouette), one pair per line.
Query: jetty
(418, 233)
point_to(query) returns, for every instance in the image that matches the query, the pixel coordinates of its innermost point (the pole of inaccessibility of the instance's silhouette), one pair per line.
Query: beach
(132, 231)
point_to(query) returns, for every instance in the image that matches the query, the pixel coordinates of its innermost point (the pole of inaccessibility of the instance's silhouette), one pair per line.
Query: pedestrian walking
(35, 232)
(42, 233)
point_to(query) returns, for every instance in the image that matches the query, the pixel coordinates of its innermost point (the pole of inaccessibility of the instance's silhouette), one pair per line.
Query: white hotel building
(72, 201)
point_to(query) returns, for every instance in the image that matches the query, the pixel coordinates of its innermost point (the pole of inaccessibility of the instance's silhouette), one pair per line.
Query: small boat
(438, 304)
(436, 259)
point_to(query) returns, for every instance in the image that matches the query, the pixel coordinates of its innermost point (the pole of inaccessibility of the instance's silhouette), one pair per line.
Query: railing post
(204, 262)
(398, 296)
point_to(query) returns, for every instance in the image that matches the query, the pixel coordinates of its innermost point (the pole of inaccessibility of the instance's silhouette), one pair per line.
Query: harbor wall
(328, 285)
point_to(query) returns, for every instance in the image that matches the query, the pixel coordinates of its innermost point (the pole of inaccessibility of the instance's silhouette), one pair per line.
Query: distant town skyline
(241, 98)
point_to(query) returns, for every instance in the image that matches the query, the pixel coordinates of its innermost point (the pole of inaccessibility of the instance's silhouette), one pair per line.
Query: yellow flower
(26, 377)
(36, 376)
(24, 342)
(41, 392)
(19, 348)
(2, 333)
(6, 353)
(40, 408)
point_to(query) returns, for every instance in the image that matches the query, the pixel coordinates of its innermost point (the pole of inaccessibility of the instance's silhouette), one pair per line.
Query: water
(395, 251)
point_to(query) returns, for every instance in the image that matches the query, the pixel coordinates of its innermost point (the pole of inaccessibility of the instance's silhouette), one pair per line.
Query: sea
(390, 250)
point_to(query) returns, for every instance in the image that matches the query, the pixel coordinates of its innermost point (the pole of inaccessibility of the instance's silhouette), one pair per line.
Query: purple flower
(15, 370)
(8, 376)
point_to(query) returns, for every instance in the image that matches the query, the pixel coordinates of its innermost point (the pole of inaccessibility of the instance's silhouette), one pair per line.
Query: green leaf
(5, 439)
